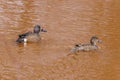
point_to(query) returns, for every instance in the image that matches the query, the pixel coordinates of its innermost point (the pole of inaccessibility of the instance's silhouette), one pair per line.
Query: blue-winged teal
(87, 47)
(31, 36)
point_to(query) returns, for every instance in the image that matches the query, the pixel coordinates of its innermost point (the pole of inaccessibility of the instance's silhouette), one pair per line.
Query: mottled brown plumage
(87, 47)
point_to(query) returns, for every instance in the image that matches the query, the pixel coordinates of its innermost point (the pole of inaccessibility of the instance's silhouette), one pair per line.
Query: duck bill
(43, 30)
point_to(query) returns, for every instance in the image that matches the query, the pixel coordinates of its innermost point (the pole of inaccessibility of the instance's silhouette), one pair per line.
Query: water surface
(68, 22)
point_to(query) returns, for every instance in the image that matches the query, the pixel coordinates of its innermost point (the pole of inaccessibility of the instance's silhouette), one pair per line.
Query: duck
(31, 36)
(87, 47)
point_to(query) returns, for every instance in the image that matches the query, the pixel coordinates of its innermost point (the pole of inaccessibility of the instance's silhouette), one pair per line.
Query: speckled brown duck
(87, 47)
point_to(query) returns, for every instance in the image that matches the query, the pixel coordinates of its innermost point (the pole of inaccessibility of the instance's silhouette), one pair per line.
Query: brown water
(68, 22)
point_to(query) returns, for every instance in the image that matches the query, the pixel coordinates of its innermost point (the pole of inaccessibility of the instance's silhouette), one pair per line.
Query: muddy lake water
(67, 22)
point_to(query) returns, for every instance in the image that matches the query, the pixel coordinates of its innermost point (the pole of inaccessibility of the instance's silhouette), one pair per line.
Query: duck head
(38, 29)
(94, 40)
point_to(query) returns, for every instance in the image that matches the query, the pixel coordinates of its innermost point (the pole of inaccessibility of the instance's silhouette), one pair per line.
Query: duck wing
(25, 34)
